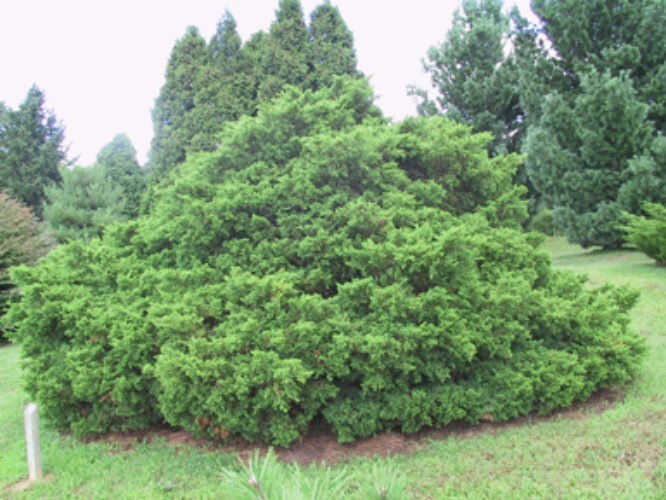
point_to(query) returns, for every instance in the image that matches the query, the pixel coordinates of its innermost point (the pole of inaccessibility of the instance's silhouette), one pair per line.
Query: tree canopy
(581, 94)
(84, 203)
(477, 83)
(173, 115)
(331, 49)
(31, 150)
(208, 86)
(611, 35)
(591, 151)
(117, 161)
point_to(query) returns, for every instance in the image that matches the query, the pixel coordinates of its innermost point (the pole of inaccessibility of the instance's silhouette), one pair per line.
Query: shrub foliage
(22, 241)
(648, 234)
(320, 268)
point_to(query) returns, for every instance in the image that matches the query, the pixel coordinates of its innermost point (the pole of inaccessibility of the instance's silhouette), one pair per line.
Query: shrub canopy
(319, 267)
(648, 234)
(22, 241)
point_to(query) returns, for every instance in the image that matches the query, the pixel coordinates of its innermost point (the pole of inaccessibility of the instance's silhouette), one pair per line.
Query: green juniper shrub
(87, 307)
(320, 266)
(23, 239)
(648, 234)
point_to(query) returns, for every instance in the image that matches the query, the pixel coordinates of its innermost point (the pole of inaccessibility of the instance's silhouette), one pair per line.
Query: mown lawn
(616, 453)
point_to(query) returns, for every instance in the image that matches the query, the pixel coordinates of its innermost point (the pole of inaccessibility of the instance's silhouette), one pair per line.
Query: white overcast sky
(101, 63)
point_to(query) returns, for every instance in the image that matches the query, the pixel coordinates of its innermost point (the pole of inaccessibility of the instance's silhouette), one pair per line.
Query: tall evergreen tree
(31, 150)
(476, 81)
(593, 151)
(225, 43)
(614, 35)
(117, 161)
(172, 121)
(227, 90)
(537, 72)
(580, 157)
(285, 56)
(331, 46)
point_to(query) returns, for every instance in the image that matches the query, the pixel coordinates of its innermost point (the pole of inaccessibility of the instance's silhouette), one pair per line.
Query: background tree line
(581, 94)
(582, 99)
(210, 84)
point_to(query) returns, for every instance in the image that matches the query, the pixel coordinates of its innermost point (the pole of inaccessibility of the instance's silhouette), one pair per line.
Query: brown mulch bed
(320, 447)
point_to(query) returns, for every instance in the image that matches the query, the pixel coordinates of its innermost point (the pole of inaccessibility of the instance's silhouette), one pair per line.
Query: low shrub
(320, 268)
(648, 234)
(543, 222)
(22, 241)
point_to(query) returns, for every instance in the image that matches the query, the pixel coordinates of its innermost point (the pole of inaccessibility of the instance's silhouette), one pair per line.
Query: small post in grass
(31, 418)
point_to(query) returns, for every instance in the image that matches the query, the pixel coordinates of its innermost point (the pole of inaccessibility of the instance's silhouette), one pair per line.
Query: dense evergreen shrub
(648, 234)
(322, 267)
(23, 240)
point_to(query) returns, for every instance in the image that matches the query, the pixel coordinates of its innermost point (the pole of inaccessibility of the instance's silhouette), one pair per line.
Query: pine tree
(593, 146)
(117, 161)
(580, 156)
(331, 46)
(614, 35)
(172, 121)
(83, 205)
(477, 83)
(31, 150)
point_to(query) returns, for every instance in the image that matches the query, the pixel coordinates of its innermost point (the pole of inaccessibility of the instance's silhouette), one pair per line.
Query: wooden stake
(31, 419)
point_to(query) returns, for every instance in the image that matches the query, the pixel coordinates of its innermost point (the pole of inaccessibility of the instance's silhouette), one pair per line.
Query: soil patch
(320, 447)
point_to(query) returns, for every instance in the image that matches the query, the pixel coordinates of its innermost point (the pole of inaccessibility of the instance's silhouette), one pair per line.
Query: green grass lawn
(617, 453)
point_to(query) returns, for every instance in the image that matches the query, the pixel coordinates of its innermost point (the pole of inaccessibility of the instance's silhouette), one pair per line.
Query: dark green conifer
(614, 35)
(580, 156)
(225, 44)
(31, 150)
(285, 57)
(117, 160)
(593, 145)
(475, 80)
(83, 205)
(331, 46)
(173, 122)
(227, 90)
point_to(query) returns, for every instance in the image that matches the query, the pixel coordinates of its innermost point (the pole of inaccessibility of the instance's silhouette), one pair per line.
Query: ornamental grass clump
(320, 268)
